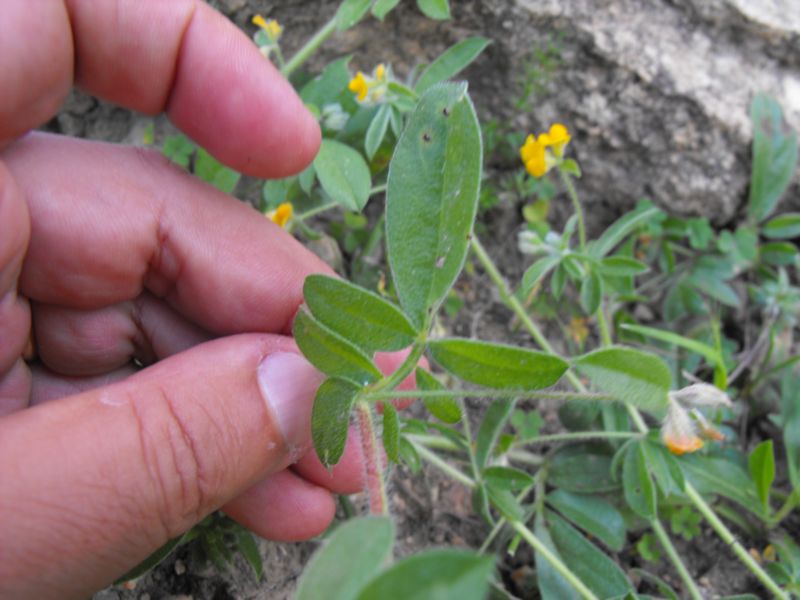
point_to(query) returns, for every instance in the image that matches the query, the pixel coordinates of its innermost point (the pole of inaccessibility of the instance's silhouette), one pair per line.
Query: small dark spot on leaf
(446, 111)
(469, 237)
(426, 137)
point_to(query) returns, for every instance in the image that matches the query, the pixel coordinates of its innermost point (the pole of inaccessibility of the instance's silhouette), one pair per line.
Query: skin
(109, 254)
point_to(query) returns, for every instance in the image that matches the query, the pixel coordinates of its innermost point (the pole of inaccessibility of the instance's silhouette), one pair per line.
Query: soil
(429, 510)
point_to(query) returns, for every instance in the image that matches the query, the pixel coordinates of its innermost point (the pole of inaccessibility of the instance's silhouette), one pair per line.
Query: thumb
(97, 481)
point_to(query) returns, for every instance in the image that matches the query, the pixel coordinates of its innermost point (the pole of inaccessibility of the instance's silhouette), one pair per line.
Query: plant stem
(579, 436)
(554, 561)
(484, 393)
(726, 535)
(310, 47)
(434, 459)
(683, 572)
(514, 304)
(519, 527)
(791, 502)
(576, 206)
(373, 459)
(396, 378)
(377, 189)
(602, 324)
(313, 212)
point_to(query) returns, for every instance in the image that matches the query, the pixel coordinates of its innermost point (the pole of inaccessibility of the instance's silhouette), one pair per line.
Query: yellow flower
(359, 86)
(557, 138)
(271, 26)
(375, 87)
(281, 215)
(542, 153)
(534, 157)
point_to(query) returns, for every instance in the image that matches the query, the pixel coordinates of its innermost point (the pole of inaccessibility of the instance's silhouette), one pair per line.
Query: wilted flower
(685, 427)
(281, 215)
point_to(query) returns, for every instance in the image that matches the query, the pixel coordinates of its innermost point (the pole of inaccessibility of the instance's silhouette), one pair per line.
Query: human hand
(112, 254)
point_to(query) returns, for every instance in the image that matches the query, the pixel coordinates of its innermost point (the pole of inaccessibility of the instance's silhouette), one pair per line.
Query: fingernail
(289, 383)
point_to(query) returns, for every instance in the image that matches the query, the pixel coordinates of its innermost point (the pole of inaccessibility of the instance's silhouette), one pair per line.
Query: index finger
(180, 56)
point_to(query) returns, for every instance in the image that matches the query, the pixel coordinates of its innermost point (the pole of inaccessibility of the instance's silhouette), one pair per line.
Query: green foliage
(632, 376)
(367, 544)
(432, 198)
(451, 62)
(343, 174)
(330, 418)
(435, 9)
(774, 156)
(366, 319)
(496, 365)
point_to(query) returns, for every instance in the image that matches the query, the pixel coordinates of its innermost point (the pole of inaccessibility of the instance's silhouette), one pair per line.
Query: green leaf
(779, 253)
(330, 418)
(715, 287)
(403, 98)
(179, 149)
(409, 455)
(621, 228)
(527, 423)
(552, 586)
(246, 543)
(365, 542)
(663, 587)
(600, 574)
(435, 9)
(275, 191)
(591, 293)
(762, 469)
(506, 478)
(774, 156)
(571, 167)
(151, 561)
(493, 422)
(306, 178)
(497, 365)
(622, 266)
(720, 476)
(391, 432)
(360, 316)
(664, 467)
(782, 227)
(351, 12)
(381, 8)
(537, 271)
(432, 575)
(582, 468)
(558, 281)
(331, 353)
(592, 514)
(432, 198)
(327, 85)
(451, 62)
(706, 351)
(444, 409)
(343, 174)
(633, 376)
(377, 130)
(505, 503)
(640, 494)
(210, 170)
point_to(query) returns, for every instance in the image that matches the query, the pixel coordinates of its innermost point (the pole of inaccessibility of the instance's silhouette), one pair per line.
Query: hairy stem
(373, 459)
(485, 393)
(576, 206)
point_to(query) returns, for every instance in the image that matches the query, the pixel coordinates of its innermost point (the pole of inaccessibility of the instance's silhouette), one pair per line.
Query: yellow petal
(380, 72)
(260, 21)
(358, 85)
(281, 215)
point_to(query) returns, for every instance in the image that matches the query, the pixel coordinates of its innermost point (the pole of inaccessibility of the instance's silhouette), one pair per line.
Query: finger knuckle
(172, 467)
